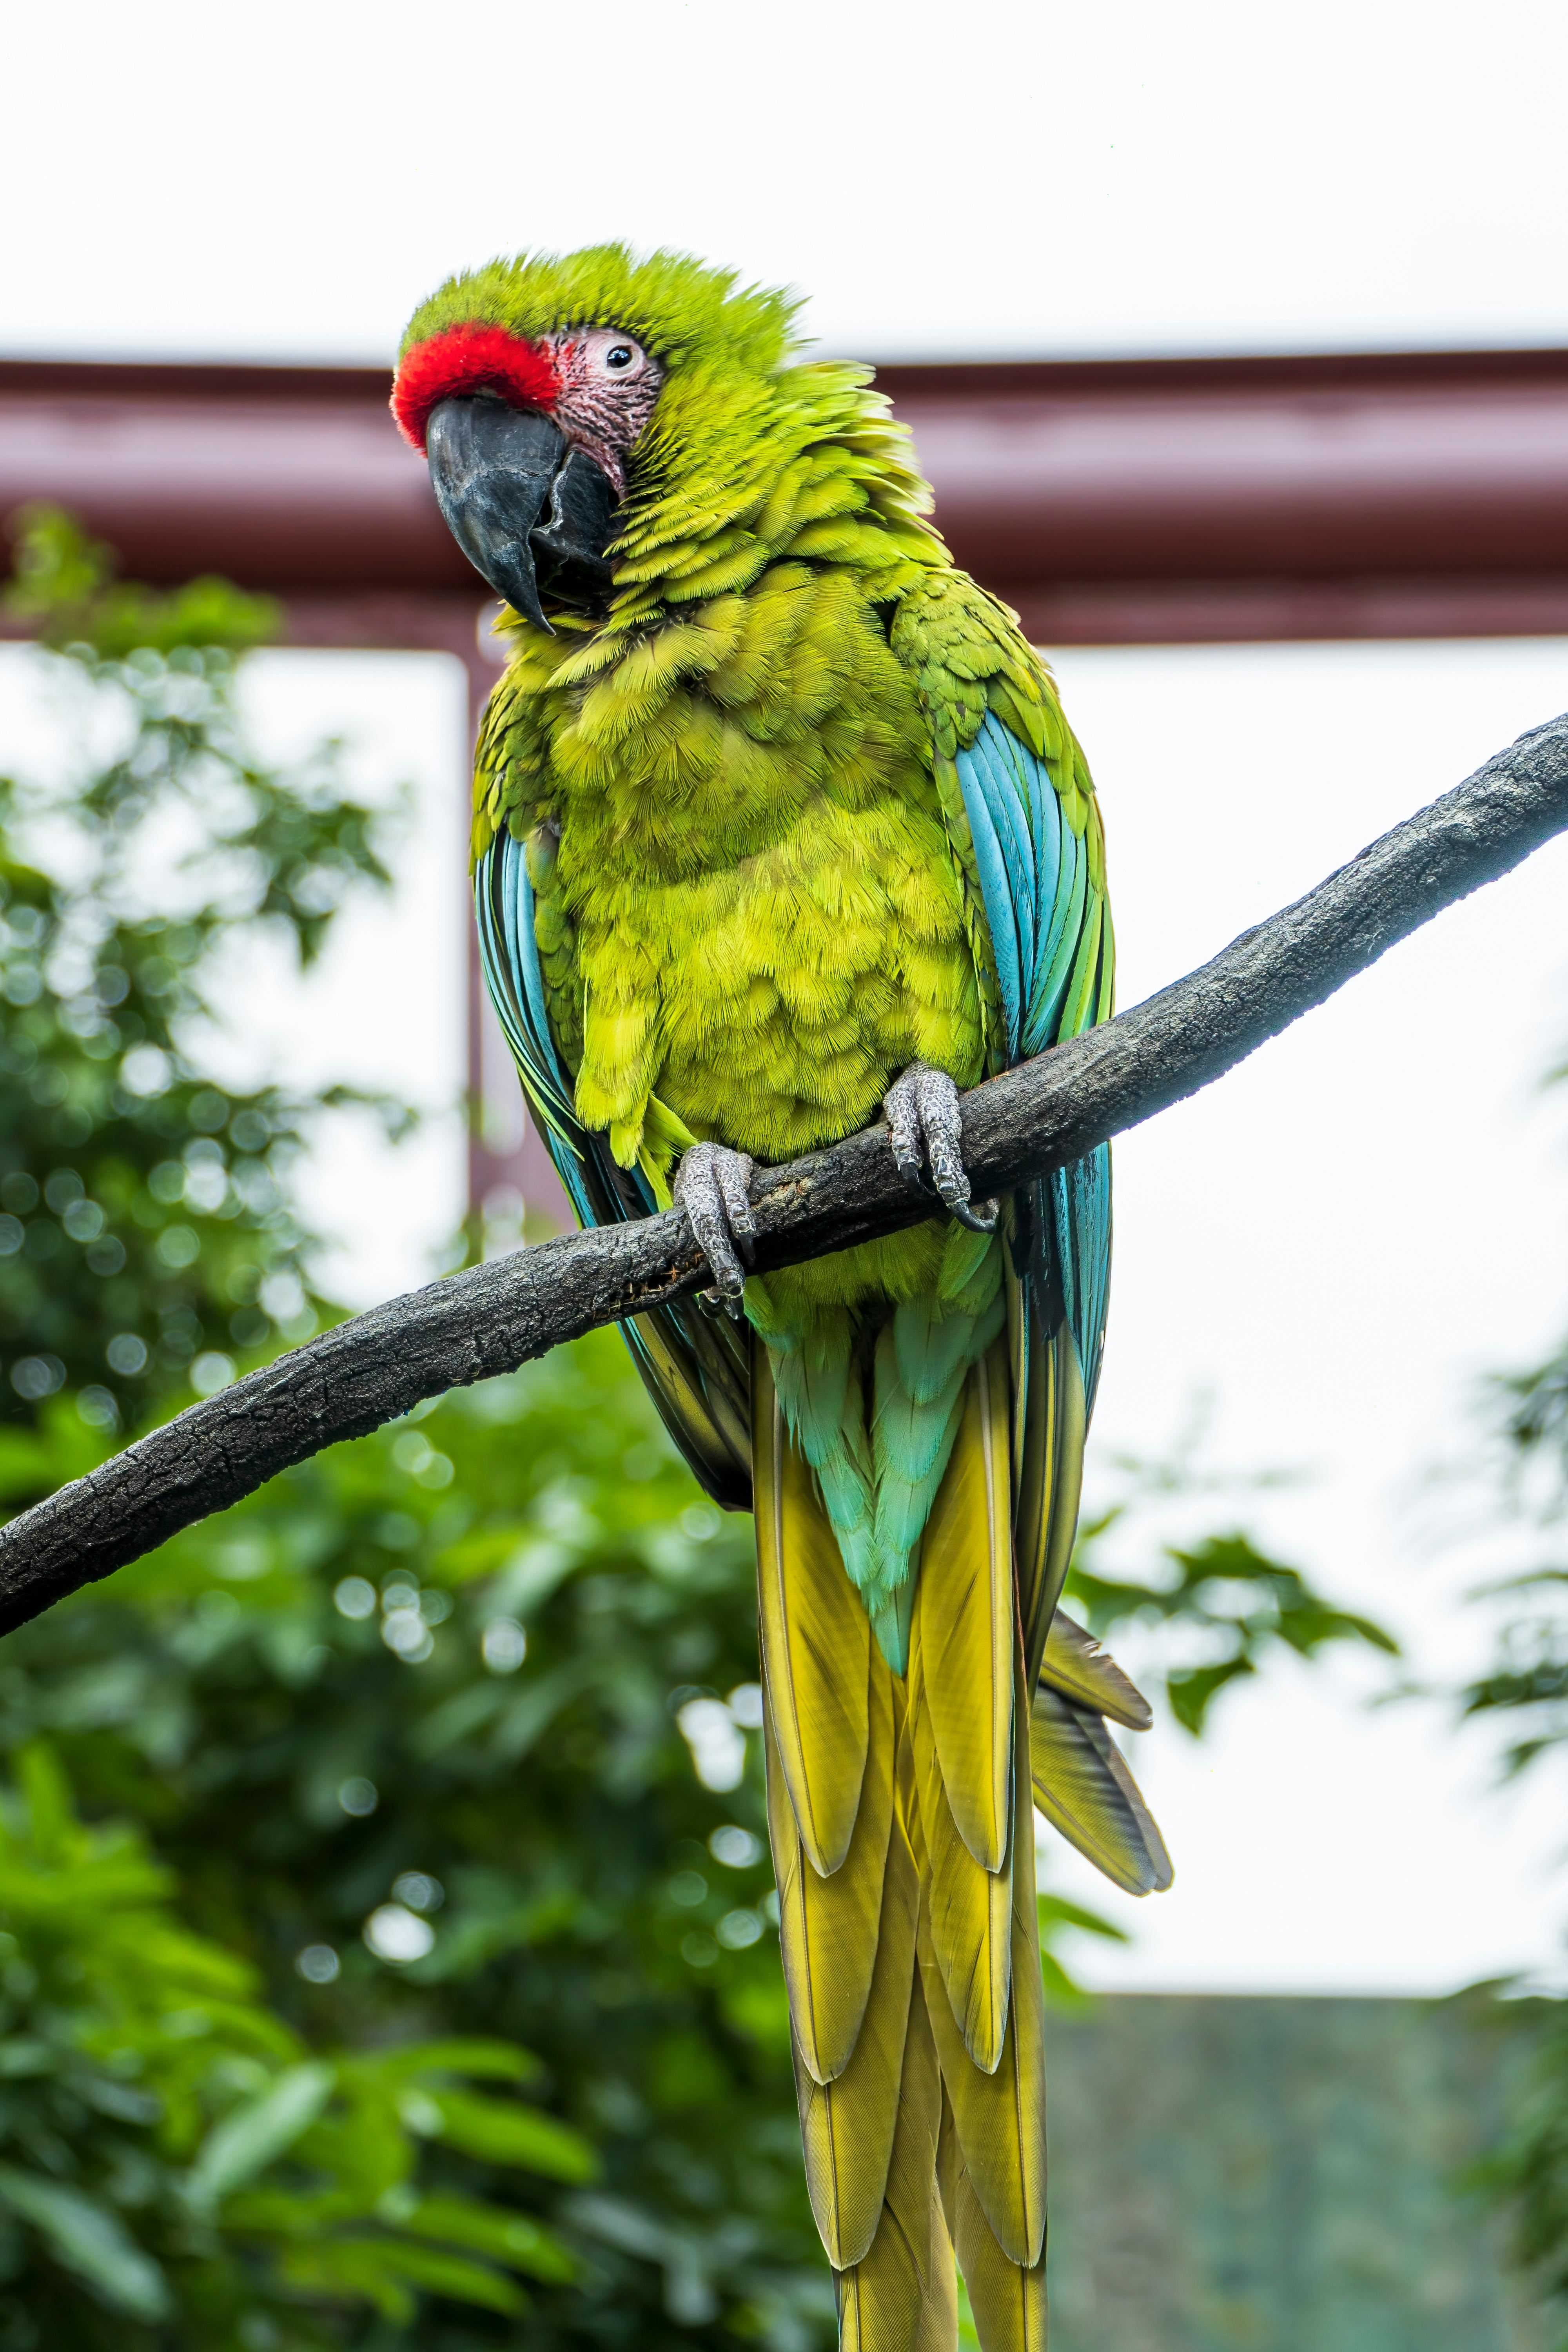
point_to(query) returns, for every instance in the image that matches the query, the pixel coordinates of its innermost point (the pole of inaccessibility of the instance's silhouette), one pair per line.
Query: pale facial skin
(608, 386)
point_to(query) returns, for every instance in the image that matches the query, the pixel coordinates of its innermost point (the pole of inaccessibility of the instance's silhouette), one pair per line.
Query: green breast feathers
(748, 845)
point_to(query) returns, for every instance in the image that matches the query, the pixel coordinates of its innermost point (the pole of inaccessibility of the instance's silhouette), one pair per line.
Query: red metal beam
(1377, 495)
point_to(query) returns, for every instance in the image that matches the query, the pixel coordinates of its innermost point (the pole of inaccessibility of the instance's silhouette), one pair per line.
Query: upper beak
(518, 499)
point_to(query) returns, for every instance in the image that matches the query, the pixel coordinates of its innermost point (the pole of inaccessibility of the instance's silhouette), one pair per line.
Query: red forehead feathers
(466, 359)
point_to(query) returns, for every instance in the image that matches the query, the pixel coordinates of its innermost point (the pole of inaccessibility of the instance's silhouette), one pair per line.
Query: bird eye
(619, 356)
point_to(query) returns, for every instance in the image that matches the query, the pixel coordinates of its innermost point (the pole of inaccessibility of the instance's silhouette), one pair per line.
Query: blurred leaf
(1192, 1688)
(47, 1795)
(249, 2138)
(64, 585)
(1228, 1593)
(501, 2061)
(509, 2133)
(508, 2237)
(1056, 1912)
(384, 2269)
(91, 2239)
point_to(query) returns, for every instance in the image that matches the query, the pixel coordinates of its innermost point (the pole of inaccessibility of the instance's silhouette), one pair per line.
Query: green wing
(695, 1366)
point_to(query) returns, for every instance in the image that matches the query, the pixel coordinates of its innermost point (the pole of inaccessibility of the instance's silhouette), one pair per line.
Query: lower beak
(522, 504)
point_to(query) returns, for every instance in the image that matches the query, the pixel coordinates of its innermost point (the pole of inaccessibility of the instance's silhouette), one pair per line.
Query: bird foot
(711, 1184)
(923, 1122)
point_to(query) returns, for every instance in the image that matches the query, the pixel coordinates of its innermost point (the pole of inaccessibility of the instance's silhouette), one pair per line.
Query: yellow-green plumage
(757, 897)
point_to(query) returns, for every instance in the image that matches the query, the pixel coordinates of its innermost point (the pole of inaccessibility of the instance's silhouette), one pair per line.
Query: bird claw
(925, 1128)
(711, 1184)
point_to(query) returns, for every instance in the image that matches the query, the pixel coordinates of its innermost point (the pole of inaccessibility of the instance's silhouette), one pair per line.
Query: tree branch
(493, 1317)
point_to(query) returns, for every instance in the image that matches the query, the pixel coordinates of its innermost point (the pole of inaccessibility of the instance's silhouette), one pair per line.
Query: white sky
(1339, 1239)
(1011, 176)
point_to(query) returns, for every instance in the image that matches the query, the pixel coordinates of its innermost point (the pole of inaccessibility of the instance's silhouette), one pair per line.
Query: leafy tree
(451, 1732)
(172, 2155)
(145, 1236)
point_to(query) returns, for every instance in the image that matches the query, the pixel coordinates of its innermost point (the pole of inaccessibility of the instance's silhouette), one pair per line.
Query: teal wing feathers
(695, 1366)
(1049, 926)
(1050, 935)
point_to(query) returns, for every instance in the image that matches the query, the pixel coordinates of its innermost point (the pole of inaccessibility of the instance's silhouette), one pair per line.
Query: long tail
(899, 1813)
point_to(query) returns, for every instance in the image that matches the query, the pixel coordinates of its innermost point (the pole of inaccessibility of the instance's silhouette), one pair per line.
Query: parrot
(779, 828)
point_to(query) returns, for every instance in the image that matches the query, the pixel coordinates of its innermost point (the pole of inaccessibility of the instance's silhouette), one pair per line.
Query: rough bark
(493, 1317)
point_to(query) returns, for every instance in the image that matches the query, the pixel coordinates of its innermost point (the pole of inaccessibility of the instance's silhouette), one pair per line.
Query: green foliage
(172, 2156)
(1242, 1607)
(64, 587)
(1528, 1681)
(144, 1229)
(444, 1694)
(1529, 1678)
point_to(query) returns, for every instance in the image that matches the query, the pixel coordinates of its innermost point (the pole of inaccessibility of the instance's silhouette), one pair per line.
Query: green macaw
(778, 821)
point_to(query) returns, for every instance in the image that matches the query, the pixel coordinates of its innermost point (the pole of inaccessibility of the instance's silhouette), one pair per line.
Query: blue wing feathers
(509, 959)
(1005, 798)
(1061, 943)
(1081, 1215)
(1078, 1011)
(509, 955)
(518, 902)
(995, 891)
(1050, 934)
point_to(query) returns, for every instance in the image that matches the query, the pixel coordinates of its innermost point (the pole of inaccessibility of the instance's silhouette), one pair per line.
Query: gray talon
(711, 1184)
(925, 1128)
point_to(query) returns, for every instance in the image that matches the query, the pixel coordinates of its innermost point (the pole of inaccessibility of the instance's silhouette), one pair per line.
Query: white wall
(1335, 1244)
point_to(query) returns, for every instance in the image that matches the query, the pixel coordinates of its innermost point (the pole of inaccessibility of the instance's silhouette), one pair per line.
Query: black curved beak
(527, 509)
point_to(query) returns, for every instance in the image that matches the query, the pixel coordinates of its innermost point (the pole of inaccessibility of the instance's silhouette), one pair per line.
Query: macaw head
(536, 389)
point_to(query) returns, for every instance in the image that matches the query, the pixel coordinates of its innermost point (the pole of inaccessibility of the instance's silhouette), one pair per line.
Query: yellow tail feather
(828, 1927)
(1069, 1423)
(901, 1822)
(913, 2166)
(900, 2297)
(1000, 2115)
(963, 1617)
(1008, 2301)
(939, 2312)
(816, 1637)
(1084, 1789)
(1075, 1664)
(849, 2127)
(965, 1908)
